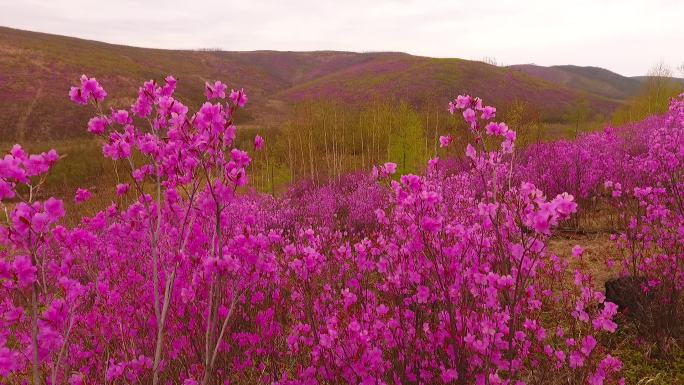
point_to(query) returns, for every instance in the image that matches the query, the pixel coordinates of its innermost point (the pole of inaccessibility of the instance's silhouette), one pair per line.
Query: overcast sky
(626, 36)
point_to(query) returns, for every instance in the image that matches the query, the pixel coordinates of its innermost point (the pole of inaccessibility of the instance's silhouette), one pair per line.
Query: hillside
(417, 79)
(592, 80)
(37, 69)
(643, 79)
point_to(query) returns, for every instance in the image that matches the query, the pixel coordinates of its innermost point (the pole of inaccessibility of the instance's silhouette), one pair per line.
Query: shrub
(440, 278)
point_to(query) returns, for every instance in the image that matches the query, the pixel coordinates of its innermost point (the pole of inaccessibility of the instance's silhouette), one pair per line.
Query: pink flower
(388, 168)
(238, 176)
(118, 148)
(431, 224)
(432, 164)
(90, 87)
(142, 107)
(76, 379)
(462, 101)
(82, 195)
(445, 141)
(422, 294)
(348, 297)
(494, 379)
(76, 95)
(496, 129)
(560, 355)
(564, 204)
(97, 125)
(509, 135)
(40, 222)
(114, 371)
(469, 116)
(54, 208)
(576, 360)
(18, 152)
(488, 113)
(449, 375)
(241, 158)
(610, 364)
(588, 345)
(470, 152)
(121, 117)
(382, 309)
(41, 163)
(169, 87)
(596, 378)
(258, 142)
(215, 91)
(122, 188)
(577, 251)
(239, 98)
(6, 190)
(9, 361)
(541, 222)
(24, 270)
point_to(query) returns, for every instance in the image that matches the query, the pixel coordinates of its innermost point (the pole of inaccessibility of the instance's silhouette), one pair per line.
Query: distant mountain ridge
(592, 80)
(36, 70)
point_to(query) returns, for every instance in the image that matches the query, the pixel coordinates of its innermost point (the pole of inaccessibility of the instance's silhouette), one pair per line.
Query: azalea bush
(652, 240)
(634, 173)
(372, 279)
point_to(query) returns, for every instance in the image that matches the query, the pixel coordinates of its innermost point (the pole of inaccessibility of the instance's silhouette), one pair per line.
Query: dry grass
(598, 249)
(642, 364)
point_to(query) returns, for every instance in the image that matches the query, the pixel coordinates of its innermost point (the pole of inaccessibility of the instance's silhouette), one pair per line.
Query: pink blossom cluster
(371, 279)
(636, 171)
(89, 90)
(582, 166)
(652, 218)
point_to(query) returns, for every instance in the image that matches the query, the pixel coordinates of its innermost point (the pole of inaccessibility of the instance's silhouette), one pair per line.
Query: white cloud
(627, 36)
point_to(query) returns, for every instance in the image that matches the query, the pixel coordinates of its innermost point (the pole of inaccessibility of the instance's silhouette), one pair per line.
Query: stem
(34, 333)
(208, 369)
(53, 379)
(160, 330)
(155, 251)
(207, 333)
(161, 316)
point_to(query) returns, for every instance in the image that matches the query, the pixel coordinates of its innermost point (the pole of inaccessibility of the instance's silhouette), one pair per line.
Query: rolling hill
(416, 79)
(643, 79)
(37, 69)
(593, 80)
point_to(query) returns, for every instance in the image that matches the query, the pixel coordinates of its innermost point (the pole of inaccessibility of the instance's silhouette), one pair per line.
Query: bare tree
(659, 81)
(491, 60)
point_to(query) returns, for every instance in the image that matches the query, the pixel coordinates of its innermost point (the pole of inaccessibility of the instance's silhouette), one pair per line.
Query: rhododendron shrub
(653, 237)
(454, 287)
(581, 167)
(371, 279)
(194, 244)
(635, 171)
(39, 300)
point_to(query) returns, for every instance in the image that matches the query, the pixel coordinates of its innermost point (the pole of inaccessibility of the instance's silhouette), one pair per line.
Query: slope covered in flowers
(372, 279)
(36, 67)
